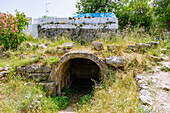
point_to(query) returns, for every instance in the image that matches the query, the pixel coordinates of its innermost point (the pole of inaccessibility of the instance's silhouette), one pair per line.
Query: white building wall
(86, 23)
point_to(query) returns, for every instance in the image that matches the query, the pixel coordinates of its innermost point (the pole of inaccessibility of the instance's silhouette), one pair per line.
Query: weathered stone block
(133, 47)
(42, 46)
(21, 70)
(113, 47)
(144, 92)
(156, 58)
(46, 69)
(166, 65)
(139, 77)
(49, 86)
(153, 44)
(146, 100)
(39, 76)
(4, 72)
(32, 68)
(97, 45)
(143, 86)
(115, 61)
(66, 45)
(143, 46)
(165, 87)
(164, 50)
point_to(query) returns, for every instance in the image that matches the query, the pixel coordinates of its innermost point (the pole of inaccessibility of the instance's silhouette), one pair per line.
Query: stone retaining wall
(79, 34)
(39, 73)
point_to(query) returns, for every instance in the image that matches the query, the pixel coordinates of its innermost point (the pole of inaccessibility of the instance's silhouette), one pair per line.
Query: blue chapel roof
(95, 15)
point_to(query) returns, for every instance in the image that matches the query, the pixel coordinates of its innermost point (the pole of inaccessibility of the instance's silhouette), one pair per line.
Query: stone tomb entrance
(78, 69)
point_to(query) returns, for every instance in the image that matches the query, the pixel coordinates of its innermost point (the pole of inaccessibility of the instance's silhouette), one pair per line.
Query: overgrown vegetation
(19, 96)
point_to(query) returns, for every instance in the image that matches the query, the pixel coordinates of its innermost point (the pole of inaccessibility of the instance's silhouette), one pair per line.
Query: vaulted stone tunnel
(79, 65)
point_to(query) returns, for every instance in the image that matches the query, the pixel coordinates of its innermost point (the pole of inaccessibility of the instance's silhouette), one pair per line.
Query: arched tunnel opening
(79, 75)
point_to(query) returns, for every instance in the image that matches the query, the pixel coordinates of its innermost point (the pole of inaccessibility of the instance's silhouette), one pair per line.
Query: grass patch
(22, 97)
(119, 95)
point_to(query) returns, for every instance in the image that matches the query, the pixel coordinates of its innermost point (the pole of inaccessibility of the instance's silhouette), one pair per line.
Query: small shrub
(66, 90)
(51, 22)
(62, 101)
(25, 62)
(54, 60)
(62, 22)
(85, 99)
(51, 51)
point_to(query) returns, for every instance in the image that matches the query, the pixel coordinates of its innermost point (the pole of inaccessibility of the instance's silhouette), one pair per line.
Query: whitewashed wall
(76, 20)
(86, 23)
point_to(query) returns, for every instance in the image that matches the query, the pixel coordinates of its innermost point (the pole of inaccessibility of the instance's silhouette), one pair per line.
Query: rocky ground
(154, 88)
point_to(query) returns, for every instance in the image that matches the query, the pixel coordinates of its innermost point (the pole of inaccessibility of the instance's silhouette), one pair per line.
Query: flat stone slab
(166, 65)
(152, 43)
(146, 100)
(42, 46)
(115, 61)
(68, 45)
(144, 92)
(39, 76)
(139, 77)
(143, 46)
(37, 68)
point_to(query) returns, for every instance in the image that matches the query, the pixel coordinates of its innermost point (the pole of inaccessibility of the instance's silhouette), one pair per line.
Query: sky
(36, 8)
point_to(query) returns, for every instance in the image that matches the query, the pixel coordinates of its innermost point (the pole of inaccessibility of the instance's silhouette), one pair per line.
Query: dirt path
(72, 106)
(159, 85)
(69, 109)
(80, 88)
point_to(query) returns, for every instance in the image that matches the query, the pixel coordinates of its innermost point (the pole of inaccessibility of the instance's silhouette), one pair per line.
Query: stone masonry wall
(40, 74)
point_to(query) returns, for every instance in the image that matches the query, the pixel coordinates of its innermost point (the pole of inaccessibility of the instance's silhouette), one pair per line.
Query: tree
(94, 6)
(135, 12)
(161, 9)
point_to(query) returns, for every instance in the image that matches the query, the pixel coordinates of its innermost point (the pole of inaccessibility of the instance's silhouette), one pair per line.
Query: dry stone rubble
(3, 73)
(97, 45)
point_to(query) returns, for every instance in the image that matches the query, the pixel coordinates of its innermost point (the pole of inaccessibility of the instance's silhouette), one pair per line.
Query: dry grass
(119, 95)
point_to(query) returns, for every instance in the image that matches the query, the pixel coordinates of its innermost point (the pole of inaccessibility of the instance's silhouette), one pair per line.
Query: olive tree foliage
(94, 6)
(161, 9)
(129, 12)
